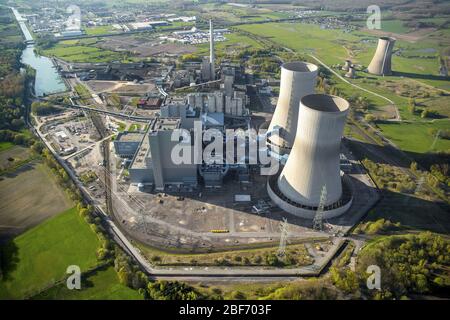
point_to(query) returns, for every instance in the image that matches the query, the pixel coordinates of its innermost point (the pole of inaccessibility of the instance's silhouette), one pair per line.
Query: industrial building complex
(304, 137)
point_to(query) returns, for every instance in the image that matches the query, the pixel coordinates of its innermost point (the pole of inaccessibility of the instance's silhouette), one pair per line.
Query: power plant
(381, 61)
(304, 135)
(314, 161)
(297, 80)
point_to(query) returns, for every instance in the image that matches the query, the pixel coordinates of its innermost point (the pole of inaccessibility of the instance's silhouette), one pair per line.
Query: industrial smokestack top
(381, 61)
(297, 80)
(314, 159)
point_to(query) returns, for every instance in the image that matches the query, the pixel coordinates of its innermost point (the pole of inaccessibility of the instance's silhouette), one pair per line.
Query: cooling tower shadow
(394, 157)
(378, 154)
(419, 76)
(411, 212)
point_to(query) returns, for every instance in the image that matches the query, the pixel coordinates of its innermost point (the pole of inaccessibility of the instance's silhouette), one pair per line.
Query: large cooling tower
(381, 61)
(314, 160)
(297, 80)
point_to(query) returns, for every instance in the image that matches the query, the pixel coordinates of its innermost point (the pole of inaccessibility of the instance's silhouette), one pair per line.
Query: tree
(272, 260)
(237, 295)
(171, 290)
(43, 108)
(369, 117)
(409, 263)
(124, 276)
(344, 279)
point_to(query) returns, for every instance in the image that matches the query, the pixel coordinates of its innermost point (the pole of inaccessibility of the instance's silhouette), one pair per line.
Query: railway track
(103, 131)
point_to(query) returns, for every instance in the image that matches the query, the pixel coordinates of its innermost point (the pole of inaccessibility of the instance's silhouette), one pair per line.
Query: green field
(333, 46)
(306, 38)
(92, 31)
(416, 136)
(395, 26)
(43, 254)
(234, 42)
(77, 51)
(5, 146)
(101, 285)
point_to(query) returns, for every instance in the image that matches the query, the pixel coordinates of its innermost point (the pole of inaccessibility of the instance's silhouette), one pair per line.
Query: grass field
(101, 285)
(44, 253)
(416, 136)
(306, 38)
(92, 31)
(5, 146)
(75, 52)
(235, 41)
(297, 252)
(334, 46)
(28, 196)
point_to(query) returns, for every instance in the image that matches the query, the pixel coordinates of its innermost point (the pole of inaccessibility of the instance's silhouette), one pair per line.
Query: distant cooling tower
(347, 65)
(351, 72)
(314, 161)
(381, 62)
(297, 80)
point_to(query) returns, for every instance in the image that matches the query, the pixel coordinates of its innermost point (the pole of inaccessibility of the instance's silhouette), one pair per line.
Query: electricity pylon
(318, 218)
(283, 238)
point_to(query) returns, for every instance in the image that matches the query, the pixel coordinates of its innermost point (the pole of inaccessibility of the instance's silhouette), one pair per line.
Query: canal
(48, 80)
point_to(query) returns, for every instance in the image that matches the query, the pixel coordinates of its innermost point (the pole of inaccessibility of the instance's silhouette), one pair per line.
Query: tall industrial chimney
(297, 80)
(211, 51)
(314, 160)
(381, 61)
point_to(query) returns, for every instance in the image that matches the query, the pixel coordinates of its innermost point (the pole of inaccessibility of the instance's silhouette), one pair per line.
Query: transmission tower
(318, 218)
(283, 238)
(435, 139)
(418, 188)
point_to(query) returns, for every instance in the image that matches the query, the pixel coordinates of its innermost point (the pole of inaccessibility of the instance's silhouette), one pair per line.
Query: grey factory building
(127, 143)
(153, 164)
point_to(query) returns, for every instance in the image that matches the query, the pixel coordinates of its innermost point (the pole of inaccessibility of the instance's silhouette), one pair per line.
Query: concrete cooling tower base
(308, 212)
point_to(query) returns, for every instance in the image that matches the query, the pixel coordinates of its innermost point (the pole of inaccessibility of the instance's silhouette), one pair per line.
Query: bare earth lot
(120, 86)
(27, 197)
(144, 47)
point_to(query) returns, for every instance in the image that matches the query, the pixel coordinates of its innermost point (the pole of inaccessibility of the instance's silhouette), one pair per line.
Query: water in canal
(48, 80)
